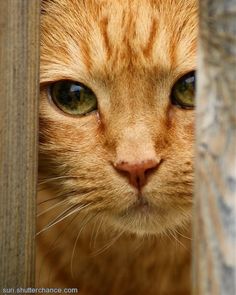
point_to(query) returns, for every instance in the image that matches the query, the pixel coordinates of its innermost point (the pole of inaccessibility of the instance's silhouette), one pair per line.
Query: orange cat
(116, 146)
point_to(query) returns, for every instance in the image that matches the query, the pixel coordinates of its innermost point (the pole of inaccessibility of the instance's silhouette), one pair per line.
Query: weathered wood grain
(215, 194)
(19, 67)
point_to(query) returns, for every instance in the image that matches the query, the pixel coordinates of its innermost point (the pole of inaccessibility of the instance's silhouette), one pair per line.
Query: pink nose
(137, 172)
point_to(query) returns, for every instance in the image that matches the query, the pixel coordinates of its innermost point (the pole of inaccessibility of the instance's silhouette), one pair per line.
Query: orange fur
(130, 53)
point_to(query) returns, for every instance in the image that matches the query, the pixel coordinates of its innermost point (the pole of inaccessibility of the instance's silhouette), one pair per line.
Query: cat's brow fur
(159, 33)
(130, 53)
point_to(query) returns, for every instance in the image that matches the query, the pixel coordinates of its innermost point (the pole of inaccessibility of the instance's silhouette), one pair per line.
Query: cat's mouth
(142, 205)
(141, 217)
(144, 217)
(141, 208)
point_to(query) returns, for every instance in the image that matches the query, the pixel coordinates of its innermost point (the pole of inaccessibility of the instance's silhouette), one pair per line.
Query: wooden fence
(19, 67)
(214, 246)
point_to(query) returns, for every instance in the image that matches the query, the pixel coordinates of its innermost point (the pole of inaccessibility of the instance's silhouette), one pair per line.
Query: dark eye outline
(57, 107)
(177, 102)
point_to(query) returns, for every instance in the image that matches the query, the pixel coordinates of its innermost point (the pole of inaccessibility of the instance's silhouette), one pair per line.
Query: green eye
(183, 92)
(73, 98)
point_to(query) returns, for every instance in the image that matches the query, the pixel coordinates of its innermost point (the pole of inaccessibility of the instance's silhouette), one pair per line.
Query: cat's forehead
(118, 33)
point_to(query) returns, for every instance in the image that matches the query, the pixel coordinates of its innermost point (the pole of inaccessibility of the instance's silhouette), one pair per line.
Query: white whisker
(173, 235)
(44, 181)
(51, 207)
(51, 199)
(97, 227)
(56, 220)
(183, 236)
(53, 244)
(86, 221)
(108, 245)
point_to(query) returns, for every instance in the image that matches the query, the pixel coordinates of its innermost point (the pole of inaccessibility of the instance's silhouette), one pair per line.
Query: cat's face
(131, 160)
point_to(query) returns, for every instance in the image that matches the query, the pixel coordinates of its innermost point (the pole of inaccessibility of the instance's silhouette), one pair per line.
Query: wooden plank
(215, 193)
(19, 67)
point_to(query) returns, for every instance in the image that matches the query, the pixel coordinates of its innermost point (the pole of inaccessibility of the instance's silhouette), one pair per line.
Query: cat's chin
(144, 219)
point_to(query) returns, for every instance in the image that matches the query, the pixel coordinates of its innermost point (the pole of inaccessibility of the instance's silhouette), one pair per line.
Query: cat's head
(116, 108)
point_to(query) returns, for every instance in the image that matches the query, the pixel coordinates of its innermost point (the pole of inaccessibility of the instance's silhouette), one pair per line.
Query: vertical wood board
(19, 68)
(215, 190)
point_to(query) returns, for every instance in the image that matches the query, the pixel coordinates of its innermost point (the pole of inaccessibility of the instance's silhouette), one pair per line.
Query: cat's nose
(137, 172)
